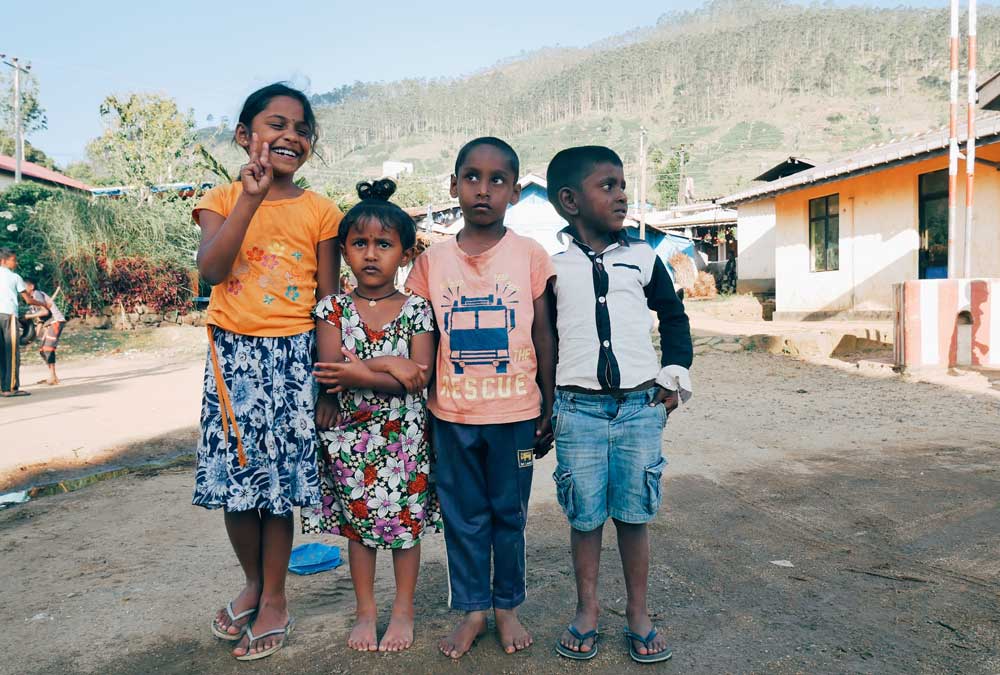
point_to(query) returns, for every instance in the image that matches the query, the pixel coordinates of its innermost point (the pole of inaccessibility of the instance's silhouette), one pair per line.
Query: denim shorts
(609, 457)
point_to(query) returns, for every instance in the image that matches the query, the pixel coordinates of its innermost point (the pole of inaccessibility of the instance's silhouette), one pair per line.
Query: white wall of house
(755, 234)
(879, 239)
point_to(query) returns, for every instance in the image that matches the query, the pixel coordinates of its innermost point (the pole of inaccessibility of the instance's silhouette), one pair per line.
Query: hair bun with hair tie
(379, 190)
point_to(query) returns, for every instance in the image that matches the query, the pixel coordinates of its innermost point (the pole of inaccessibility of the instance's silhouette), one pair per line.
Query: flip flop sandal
(284, 632)
(19, 392)
(563, 650)
(646, 641)
(220, 632)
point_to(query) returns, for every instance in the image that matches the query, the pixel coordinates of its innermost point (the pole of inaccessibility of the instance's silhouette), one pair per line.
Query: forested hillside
(735, 86)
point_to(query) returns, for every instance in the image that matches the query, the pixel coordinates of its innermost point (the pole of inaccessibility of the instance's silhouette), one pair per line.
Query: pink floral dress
(375, 467)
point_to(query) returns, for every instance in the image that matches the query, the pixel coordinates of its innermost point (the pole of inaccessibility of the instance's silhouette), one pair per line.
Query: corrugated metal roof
(716, 216)
(38, 172)
(862, 161)
(786, 168)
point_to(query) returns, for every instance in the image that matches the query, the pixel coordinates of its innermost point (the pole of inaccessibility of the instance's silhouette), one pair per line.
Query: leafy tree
(33, 115)
(667, 167)
(31, 153)
(413, 191)
(146, 141)
(83, 171)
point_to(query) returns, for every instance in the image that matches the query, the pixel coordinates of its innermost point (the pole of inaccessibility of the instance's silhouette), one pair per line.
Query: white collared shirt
(11, 286)
(603, 303)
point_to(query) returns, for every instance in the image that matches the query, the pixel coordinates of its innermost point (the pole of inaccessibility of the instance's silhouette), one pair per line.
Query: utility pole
(681, 187)
(18, 130)
(970, 144)
(953, 145)
(642, 183)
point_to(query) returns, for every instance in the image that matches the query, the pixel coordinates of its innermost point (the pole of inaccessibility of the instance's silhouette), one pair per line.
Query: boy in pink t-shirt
(492, 399)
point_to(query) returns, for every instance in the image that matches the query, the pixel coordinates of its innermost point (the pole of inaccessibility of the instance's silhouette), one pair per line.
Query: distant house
(707, 224)
(755, 232)
(36, 174)
(392, 169)
(839, 235)
(433, 218)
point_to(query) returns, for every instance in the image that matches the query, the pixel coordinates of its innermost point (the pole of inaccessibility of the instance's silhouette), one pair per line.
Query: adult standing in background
(11, 286)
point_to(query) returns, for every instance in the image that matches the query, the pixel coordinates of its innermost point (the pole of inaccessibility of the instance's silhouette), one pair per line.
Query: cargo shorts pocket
(561, 406)
(653, 474)
(555, 420)
(564, 492)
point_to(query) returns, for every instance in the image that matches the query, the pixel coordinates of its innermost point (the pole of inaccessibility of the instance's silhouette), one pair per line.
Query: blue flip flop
(313, 557)
(646, 641)
(563, 650)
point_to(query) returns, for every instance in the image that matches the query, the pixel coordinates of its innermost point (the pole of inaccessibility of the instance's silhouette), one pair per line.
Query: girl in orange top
(267, 247)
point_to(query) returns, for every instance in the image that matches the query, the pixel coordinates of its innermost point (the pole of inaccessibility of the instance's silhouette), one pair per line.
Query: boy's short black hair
(6, 253)
(571, 166)
(29, 280)
(375, 204)
(501, 145)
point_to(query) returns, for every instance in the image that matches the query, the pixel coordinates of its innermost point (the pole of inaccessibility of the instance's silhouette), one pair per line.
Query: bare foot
(465, 633)
(642, 625)
(363, 636)
(399, 635)
(247, 599)
(513, 636)
(584, 621)
(52, 381)
(271, 614)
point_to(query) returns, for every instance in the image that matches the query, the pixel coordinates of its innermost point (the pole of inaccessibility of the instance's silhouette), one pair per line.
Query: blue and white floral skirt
(271, 391)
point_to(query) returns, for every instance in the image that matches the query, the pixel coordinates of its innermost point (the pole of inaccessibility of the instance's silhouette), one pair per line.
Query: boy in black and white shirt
(613, 395)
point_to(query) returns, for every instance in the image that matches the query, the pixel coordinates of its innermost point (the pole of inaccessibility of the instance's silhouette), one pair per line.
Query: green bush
(102, 251)
(18, 206)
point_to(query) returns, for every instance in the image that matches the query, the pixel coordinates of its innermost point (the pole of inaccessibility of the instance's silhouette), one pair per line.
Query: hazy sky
(209, 56)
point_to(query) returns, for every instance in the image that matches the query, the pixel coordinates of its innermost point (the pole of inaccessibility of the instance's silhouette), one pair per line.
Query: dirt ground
(882, 494)
(124, 397)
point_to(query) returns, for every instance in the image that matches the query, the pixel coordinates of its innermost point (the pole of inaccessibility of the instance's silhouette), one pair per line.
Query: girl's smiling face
(283, 126)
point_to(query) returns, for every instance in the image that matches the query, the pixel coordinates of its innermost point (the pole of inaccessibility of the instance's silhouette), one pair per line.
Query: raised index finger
(254, 148)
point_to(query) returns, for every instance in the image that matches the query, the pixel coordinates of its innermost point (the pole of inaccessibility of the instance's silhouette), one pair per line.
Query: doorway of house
(933, 195)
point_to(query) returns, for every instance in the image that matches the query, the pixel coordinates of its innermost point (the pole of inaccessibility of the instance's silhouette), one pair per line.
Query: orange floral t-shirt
(271, 289)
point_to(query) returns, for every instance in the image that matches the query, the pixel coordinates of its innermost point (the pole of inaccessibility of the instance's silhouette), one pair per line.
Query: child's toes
(242, 648)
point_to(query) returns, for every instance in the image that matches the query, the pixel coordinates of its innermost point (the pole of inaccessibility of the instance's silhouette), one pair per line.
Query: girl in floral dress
(375, 350)
(267, 247)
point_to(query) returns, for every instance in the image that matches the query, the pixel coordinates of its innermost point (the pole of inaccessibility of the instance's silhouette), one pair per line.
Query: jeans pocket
(564, 491)
(654, 472)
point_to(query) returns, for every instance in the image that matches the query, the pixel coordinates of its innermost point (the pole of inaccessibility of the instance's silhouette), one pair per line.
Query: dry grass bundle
(685, 273)
(704, 286)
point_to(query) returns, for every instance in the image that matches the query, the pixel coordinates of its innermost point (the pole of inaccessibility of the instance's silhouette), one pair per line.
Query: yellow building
(837, 236)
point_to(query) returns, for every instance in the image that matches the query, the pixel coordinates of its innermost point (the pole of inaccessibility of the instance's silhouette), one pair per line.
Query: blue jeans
(609, 457)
